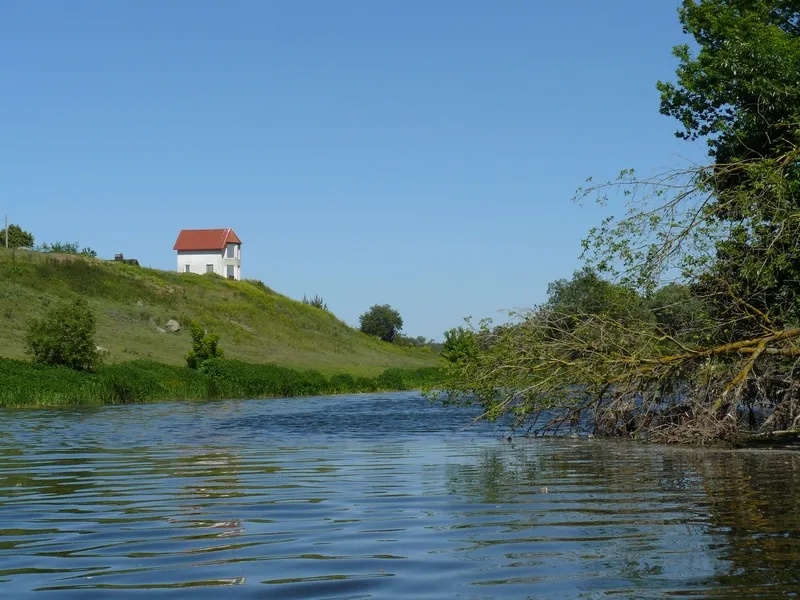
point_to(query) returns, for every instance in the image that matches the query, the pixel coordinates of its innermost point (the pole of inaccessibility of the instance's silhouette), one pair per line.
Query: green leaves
(743, 82)
(17, 237)
(65, 336)
(205, 346)
(316, 302)
(460, 344)
(67, 248)
(677, 360)
(382, 321)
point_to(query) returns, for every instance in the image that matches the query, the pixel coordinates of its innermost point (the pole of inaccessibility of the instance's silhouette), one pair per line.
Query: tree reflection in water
(635, 517)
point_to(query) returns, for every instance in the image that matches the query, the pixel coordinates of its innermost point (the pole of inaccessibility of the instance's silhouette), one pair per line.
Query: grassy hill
(256, 324)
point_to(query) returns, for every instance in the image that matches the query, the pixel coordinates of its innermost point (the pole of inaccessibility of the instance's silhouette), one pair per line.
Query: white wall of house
(197, 261)
(232, 261)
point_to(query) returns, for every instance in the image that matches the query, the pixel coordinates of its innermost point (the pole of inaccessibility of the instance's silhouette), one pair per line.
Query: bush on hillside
(65, 336)
(17, 237)
(316, 302)
(67, 248)
(205, 346)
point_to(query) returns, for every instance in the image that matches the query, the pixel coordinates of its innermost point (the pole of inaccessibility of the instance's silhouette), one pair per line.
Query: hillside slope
(255, 323)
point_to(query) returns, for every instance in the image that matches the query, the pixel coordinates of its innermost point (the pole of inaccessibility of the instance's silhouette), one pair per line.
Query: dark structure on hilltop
(128, 261)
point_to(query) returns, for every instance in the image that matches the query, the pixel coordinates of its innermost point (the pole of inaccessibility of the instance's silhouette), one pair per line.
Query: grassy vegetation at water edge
(25, 384)
(133, 306)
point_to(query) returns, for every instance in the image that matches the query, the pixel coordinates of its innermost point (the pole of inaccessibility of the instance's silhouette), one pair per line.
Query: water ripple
(377, 497)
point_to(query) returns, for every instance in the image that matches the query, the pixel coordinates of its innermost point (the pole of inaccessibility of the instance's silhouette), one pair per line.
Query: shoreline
(26, 385)
(26, 407)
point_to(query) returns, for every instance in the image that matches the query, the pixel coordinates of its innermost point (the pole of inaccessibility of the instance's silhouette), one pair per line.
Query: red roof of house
(205, 239)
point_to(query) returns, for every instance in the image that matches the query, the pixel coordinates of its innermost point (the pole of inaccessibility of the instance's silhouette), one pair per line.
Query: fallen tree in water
(789, 438)
(619, 368)
(685, 325)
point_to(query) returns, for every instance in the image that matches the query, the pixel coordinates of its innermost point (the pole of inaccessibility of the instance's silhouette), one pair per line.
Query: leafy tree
(205, 346)
(65, 336)
(741, 92)
(17, 237)
(382, 321)
(679, 312)
(683, 361)
(459, 344)
(589, 294)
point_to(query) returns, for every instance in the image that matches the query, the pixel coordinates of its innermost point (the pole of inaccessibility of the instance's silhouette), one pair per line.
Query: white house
(209, 251)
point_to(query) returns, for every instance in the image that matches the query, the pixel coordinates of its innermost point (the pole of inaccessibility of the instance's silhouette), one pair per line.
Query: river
(377, 496)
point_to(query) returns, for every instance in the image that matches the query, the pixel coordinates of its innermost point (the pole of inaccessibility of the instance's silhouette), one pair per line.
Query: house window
(187, 268)
(209, 268)
(230, 272)
(231, 250)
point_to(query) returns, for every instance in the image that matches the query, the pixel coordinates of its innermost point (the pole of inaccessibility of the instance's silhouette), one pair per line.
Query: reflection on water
(378, 497)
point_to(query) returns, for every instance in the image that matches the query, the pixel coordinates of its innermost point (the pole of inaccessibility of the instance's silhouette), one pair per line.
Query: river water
(377, 496)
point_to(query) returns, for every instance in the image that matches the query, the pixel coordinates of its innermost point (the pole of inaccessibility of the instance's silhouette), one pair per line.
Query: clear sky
(420, 153)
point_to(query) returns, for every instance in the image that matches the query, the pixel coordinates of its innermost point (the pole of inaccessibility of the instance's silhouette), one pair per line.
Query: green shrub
(459, 344)
(27, 384)
(392, 379)
(205, 346)
(67, 248)
(65, 336)
(342, 383)
(17, 237)
(316, 302)
(236, 379)
(422, 377)
(366, 384)
(309, 383)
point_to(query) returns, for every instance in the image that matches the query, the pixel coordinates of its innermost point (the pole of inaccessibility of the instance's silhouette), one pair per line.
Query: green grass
(25, 384)
(256, 324)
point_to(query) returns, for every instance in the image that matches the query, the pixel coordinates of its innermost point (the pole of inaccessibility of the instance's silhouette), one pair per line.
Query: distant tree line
(19, 238)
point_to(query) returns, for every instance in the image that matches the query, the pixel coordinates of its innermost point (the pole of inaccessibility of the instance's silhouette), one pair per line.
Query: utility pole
(6, 231)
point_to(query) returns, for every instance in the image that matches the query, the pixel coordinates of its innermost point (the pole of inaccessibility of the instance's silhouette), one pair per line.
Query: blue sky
(416, 153)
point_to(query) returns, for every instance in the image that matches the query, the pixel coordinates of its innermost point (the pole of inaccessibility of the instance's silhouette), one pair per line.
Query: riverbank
(133, 306)
(24, 384)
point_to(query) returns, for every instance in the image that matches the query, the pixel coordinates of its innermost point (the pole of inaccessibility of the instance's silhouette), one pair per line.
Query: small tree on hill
(204, 347)
(316, 302)
(65, 336)
(17, 237)
(381, 321)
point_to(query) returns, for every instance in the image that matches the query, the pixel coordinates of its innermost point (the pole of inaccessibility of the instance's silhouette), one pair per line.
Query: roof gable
(205, 239)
